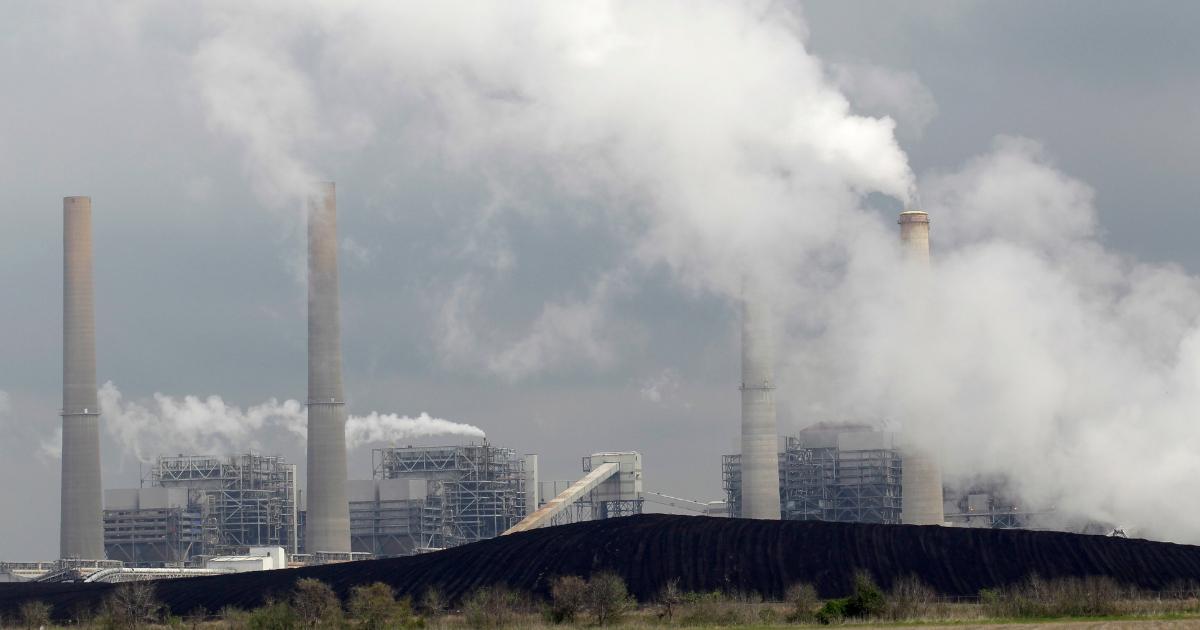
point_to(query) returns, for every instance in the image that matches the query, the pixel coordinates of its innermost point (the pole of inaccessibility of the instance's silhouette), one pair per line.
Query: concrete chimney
(81, 531)
(760, 457)
(922, 475)
(328, 518)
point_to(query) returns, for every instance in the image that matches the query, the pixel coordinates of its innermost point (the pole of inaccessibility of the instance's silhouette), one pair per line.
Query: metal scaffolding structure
(387, 528)
(152, 536)
(822, 481)
(244, 499)
(474, 492)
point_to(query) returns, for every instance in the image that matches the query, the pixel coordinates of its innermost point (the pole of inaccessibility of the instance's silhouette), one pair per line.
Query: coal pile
(704, 554)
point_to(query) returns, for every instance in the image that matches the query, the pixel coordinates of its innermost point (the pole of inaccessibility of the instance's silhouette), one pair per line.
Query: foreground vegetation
(604, 600)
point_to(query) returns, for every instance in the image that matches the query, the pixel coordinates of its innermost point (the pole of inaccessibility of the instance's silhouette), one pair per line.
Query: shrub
(804, 601)
(433, 602)
(910, 599)
(272, 616)
(868, 600)
(669, 600)
(718, 609)
(608, 598)
(132, 605)
(833, 611)
(316, 603)
(234, 618)
(197, 617)
(1065, 597)
(34, 615)
(568, 596)
(375, 607)
(491, 607)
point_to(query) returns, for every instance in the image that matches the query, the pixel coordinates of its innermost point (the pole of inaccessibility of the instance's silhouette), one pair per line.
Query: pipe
(81, 531)
(328, 518)
(760, 456)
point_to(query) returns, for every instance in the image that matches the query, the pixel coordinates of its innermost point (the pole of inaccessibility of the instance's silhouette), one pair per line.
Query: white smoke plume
(210, 426)
(1032, 351)
(390, 427)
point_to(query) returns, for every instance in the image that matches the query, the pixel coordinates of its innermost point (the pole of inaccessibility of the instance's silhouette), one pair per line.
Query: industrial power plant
(208, 514)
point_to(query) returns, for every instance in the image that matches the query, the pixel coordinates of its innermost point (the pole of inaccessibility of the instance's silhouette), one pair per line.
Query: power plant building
(203, 505)
(846, 473)
(436, 497)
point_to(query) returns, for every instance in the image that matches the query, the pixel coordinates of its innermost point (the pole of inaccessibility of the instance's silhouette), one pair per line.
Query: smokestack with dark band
(81, 532)
(921, 483)
(328, 519)
(760, 457)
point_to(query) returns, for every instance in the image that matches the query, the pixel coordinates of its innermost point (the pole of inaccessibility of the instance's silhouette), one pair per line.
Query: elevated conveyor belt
(578, 490)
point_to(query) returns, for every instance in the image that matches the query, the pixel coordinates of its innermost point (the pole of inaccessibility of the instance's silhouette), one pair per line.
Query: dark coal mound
(705, 554)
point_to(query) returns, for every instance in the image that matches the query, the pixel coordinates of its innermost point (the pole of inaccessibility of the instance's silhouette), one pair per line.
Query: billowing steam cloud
(383, 428)
(1031, 351)
(210, 426)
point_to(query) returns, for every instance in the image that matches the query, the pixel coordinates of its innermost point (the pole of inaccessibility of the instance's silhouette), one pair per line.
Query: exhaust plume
(210, 426)
(719, 146)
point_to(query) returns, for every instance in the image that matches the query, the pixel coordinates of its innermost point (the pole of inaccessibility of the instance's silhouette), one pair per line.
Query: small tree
(669, 600)
(375, 607)
(133, 605)
(607, 597)
(491, 607)
(34, 615)
(910, 598)
(804, 601)
(315, 602)
(567, 595)
(274, 615)
(868, 600)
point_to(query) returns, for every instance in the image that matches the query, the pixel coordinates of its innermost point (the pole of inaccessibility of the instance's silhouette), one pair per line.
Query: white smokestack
(922, 474)
(81, 532)
(760, 457)
(328, 519)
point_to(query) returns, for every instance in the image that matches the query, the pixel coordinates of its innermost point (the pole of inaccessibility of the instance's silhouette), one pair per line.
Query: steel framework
(245, 499)
(828, 484)
(152, 537)
(475, 491)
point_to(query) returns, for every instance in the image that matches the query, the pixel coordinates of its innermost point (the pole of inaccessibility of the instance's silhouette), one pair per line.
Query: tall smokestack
(81, 531)
(760, 457)
(328, 518)
(922, 475)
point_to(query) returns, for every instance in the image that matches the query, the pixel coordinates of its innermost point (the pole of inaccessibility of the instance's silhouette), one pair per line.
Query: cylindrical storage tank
(921, 476)
(327, 526)
(760, 457)
(81, 531)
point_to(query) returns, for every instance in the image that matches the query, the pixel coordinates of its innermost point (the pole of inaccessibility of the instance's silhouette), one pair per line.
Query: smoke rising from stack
(81, 532)
(1040, 355)
(210, 426)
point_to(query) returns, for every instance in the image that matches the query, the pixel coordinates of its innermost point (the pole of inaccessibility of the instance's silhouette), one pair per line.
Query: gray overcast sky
(196, 289)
